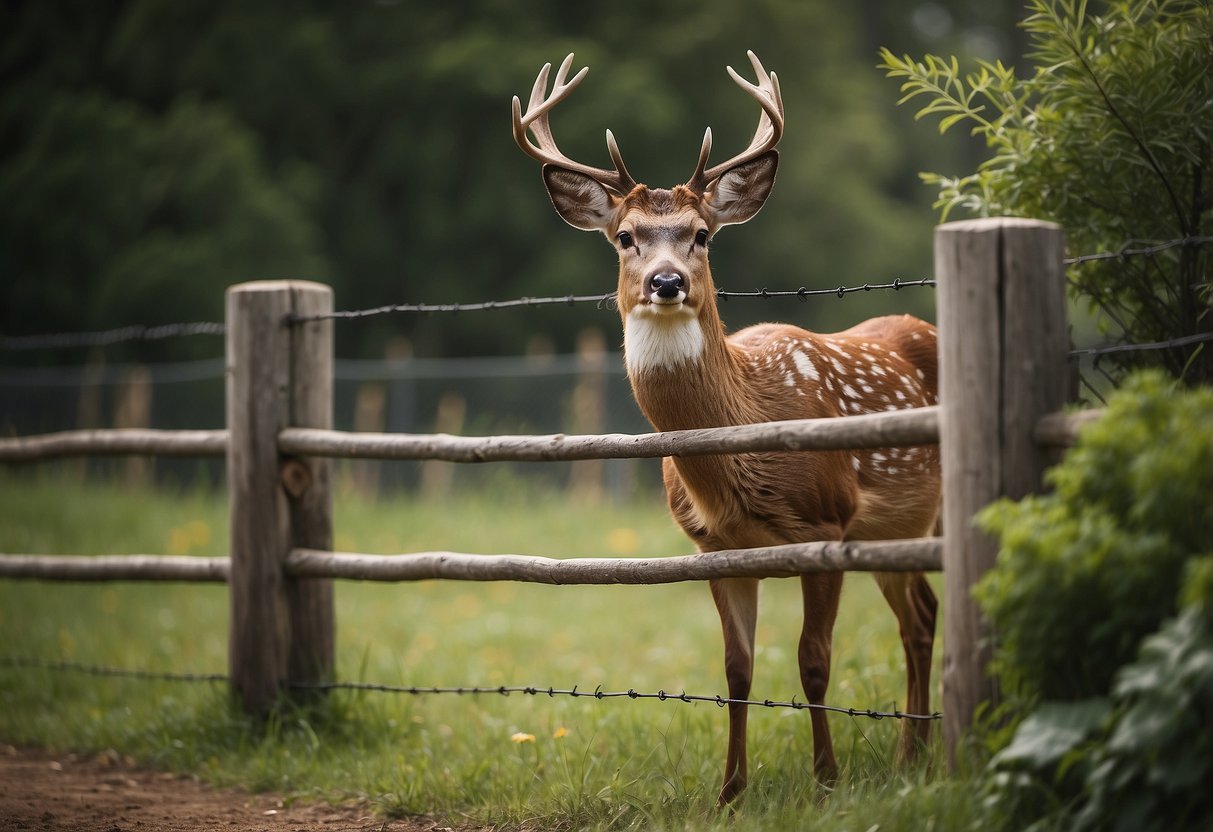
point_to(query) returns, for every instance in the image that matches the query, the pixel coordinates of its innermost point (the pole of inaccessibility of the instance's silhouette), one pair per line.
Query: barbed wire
(1146, 251)
(63, 666)
(27, 662)
(103, 338)
(61, 340)
(804, 294)
(599, 693)
(141, 332)
(604, 301)
(1185, 341)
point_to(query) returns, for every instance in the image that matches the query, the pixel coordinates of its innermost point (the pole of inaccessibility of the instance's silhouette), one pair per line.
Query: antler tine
(539, 89)
(766, 135)
(625, 178)
(544, 148)
(704, 150)
(538, 108)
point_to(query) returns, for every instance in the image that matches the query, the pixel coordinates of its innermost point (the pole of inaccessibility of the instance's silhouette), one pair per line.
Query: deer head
(661, 235)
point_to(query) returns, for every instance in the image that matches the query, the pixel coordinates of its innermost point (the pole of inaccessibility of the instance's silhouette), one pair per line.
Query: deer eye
(625, 239)
(701, 237)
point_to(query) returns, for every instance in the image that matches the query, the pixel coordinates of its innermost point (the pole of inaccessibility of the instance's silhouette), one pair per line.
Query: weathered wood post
(1003, 345)
(279, 374)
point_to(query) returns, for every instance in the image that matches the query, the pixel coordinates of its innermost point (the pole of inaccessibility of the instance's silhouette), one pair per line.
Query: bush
(1108, 134)
(1102, 601)
(1087, 571)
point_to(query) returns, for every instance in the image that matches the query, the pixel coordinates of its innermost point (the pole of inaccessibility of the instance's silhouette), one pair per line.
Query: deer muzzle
(666, 287)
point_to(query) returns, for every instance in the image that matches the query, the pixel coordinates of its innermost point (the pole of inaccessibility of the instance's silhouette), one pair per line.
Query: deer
(686, 372)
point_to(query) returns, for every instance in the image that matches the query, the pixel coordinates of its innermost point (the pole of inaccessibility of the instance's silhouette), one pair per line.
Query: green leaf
(1052, 731)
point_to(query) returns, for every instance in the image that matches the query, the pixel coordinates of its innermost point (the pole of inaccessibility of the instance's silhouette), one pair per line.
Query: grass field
(591, 764)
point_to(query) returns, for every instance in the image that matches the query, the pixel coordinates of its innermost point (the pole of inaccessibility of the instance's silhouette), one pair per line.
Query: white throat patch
(667, 339)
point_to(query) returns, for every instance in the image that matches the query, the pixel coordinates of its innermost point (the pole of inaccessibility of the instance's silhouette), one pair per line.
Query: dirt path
(65, 793)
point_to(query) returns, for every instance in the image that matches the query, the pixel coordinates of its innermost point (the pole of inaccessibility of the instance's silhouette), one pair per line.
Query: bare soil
(107, 793)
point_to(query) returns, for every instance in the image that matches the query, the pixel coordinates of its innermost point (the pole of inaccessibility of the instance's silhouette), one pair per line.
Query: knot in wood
(296, 478)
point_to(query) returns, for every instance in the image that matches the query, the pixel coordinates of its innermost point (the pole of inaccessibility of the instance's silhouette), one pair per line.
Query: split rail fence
(1004, 377)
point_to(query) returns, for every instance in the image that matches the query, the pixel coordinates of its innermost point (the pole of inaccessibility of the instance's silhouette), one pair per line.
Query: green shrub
(1154, 763)
(1102, 601)
(1087, 571)
(1106, 130)
(1140, 759)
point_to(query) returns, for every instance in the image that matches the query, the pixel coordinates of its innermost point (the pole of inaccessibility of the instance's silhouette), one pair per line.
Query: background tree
(153, 153)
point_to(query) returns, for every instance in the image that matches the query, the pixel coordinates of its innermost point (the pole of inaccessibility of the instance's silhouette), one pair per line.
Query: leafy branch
(1108, 135)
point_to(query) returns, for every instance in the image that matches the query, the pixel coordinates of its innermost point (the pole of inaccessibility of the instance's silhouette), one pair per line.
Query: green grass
(592, 764)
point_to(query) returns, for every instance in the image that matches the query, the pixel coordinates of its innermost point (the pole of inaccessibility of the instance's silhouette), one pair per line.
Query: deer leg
(821, 593)
(914, 603)
(737, 602)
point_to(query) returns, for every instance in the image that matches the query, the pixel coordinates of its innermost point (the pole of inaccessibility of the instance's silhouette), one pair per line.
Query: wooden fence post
(1003, 347)
(278, 375)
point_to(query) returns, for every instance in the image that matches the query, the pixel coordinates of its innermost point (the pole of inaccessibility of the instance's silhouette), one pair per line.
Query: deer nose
(666, 285)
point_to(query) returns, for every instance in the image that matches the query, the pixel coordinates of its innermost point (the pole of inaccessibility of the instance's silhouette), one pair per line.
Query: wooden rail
(919, 426)
(922, 555)
(1060, 430)
(894, 429)
(114, 442)
(770, 562)
(187, 569)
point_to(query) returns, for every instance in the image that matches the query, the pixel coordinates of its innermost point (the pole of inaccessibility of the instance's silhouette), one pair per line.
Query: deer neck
(684, 373)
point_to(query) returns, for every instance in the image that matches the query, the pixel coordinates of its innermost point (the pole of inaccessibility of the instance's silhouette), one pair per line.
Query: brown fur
(764, 373)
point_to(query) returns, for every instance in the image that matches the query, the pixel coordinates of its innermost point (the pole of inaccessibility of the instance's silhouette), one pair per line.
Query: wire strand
(1185, 341)
(30, 662)
(1147, 251)
(604, 301)
(141, 332)
(137, 332)
(598, 693)
(61, 666)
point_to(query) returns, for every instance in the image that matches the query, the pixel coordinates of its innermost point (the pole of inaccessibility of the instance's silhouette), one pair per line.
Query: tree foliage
(156, 152)
(1110, 135)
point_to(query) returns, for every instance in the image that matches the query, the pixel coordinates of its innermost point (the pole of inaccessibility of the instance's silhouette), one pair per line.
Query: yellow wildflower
(623, 541)
(560, 733)
(522, 737)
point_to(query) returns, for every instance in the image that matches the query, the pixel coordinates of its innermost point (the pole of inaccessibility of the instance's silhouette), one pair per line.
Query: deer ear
(579, 199)
(739, 192)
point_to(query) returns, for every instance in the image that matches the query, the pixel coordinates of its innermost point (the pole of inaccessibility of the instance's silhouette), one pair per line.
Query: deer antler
(544, 147)
(766, 135)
